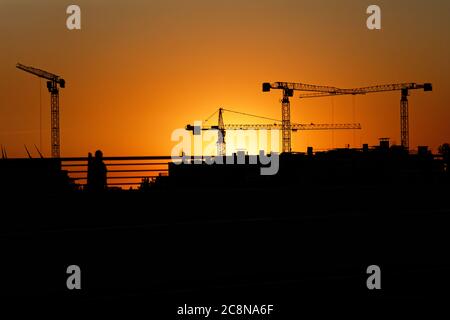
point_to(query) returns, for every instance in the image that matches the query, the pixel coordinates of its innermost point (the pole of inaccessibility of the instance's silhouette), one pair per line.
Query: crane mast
(221, 145)
(404, 119)
(53, 81)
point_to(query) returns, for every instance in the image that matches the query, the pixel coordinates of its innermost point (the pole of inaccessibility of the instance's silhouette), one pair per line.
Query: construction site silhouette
(204, 230)
(207, 230)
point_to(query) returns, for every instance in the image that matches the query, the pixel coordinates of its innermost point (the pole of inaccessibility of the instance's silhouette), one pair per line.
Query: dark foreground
(292, 247)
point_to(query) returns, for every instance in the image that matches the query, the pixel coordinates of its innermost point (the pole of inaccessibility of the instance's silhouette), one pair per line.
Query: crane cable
(207, 119)
(241, 113)
(252, 115)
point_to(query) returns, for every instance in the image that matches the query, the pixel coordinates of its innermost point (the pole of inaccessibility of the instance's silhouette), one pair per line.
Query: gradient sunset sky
(139, 69)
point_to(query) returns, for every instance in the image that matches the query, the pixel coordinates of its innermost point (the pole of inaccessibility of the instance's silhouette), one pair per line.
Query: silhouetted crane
(222, 127)
(52, 86)
(403, 87)
(323, 91)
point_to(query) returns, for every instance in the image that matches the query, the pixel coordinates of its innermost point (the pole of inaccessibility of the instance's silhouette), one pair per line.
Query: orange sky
(140, 69)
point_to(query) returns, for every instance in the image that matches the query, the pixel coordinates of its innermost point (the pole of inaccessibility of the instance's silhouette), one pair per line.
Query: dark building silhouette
(379, 165)
(34, 176)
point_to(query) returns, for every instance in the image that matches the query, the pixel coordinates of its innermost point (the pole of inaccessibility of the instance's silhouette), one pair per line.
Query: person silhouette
(96, 172)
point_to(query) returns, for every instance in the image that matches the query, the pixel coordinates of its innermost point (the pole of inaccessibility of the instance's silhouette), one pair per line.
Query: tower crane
(222, 127)
(52, 85)
(288, 91)
(404, 88)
